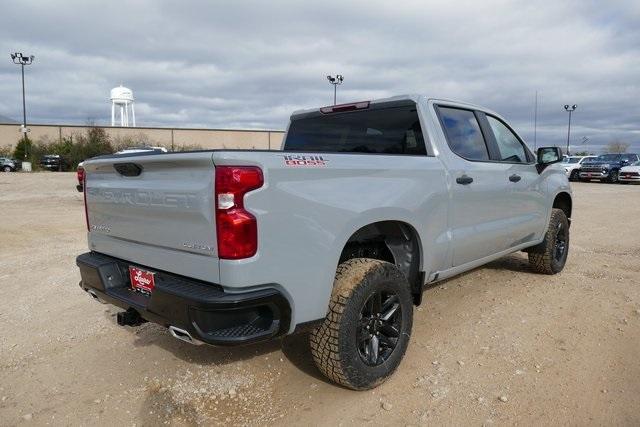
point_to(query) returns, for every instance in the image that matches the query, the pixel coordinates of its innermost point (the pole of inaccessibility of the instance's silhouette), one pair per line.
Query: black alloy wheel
(560, 245)
(379, 329)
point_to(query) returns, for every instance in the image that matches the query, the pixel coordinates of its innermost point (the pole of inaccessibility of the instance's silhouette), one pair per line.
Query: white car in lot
(630, 173)
(572, 164)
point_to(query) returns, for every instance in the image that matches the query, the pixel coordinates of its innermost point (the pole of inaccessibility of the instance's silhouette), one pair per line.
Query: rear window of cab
(393, 130)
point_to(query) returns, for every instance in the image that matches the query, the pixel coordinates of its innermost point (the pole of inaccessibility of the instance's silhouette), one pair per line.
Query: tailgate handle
(128, 169)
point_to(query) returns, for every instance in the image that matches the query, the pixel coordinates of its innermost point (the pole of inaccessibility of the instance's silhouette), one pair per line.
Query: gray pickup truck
(338, 233)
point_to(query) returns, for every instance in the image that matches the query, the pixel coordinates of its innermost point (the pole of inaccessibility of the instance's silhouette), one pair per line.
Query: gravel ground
(498, 345)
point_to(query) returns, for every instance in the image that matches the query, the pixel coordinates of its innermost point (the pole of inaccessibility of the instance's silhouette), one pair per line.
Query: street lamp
(22, 60)
(335, 81)
(569, 109)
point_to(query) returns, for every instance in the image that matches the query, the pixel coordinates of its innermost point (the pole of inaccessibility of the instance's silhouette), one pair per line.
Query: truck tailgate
(157, 210)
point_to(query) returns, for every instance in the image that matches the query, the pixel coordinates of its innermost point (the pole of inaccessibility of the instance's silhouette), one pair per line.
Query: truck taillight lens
(236, 228)
(80, 175)
(84, 196)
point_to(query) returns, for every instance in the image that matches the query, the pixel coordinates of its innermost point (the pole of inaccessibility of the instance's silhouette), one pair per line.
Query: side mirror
(547, 156)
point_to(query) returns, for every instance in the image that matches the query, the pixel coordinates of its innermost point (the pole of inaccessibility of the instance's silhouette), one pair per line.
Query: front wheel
(574, 176)
(6, 169)
(613, 177)
(366, 331)
(550, 256)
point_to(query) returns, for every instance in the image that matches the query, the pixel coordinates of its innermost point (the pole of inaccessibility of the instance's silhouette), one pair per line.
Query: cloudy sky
(248, 64)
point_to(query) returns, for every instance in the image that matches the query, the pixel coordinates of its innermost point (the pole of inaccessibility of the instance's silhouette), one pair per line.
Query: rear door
(156, 210)
(527, 204)
(479, 204)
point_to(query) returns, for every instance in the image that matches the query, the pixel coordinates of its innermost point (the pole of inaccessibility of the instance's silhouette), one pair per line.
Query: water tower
(122, 98)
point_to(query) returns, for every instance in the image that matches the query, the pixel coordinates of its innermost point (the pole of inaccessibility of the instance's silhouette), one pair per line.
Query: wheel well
(563, 201)
(393, 241)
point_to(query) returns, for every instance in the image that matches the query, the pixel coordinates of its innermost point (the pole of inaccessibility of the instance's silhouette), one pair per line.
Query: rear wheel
(550, 256)
(6, 169)
(366, 332)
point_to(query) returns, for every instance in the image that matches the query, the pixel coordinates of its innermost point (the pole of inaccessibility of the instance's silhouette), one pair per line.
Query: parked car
(606, 167)
(630, 173)
(54, 162)
(230, 247)
(18, 163)
(149, 150)
(8, 165)
(572, 166)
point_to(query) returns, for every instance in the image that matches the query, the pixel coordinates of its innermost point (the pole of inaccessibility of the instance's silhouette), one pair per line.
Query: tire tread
(541, 257)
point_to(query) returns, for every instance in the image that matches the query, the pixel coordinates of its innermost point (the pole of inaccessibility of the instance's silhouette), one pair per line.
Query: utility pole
(335, 81)
(569, 109)
(22, 60)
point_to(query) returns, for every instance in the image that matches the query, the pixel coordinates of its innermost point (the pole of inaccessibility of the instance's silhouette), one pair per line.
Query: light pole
(569, 109)
(335, 81)
(22, 60)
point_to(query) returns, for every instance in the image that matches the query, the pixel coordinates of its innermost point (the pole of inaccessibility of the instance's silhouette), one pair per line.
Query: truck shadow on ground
(295, 349)
(517, 262)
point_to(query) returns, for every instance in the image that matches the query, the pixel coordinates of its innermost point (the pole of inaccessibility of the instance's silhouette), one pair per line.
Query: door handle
(464, 180)
(515, 178)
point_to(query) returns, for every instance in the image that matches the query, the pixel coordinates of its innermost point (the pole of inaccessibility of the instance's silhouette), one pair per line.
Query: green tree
(94, 142)
(24, 148)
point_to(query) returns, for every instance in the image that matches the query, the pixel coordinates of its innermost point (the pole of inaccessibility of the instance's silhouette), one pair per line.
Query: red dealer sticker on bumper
(141, 280)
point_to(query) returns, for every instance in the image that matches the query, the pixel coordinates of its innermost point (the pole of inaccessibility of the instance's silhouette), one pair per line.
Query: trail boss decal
(303, 161)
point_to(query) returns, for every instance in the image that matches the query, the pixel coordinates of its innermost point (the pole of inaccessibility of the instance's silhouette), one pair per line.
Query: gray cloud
(249, 64)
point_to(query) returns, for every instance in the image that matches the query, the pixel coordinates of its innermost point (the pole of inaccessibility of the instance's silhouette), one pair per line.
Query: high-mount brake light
(236, 228)
(363, 105)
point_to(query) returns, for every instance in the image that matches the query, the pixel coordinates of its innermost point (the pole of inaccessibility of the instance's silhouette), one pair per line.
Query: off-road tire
(334, 344)
(541, 257)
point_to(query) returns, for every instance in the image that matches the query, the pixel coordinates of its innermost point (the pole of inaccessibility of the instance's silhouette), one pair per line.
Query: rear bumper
(205, 310)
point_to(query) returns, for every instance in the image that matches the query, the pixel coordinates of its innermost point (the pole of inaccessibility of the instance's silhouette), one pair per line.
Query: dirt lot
(499, 345)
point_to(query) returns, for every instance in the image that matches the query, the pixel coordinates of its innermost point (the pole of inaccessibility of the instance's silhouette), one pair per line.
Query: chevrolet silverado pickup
(606, 167)
(337, 233)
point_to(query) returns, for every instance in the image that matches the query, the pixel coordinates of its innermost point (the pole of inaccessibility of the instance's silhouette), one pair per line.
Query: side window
(463, 133)
(509, 146)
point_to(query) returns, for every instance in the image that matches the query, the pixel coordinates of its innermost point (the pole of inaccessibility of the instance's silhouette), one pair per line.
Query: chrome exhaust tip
(183, 335)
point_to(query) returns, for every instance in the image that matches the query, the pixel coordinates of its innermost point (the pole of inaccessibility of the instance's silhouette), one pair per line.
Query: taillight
(84, 194)
(237, 229)
(80, 175)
